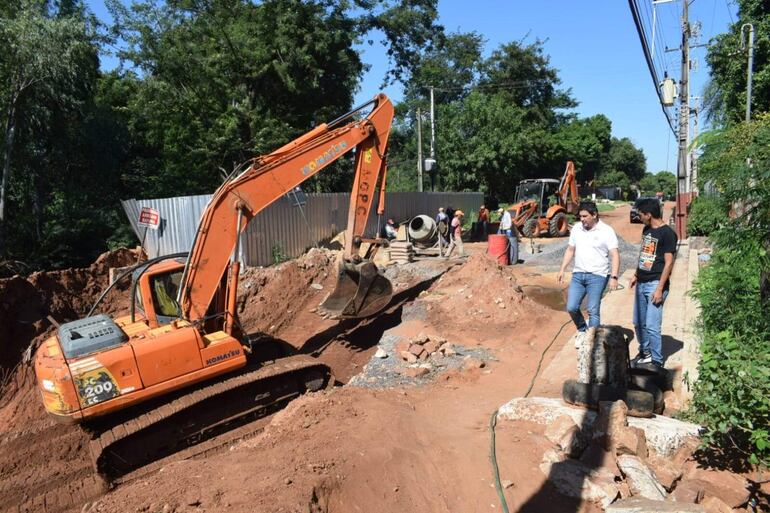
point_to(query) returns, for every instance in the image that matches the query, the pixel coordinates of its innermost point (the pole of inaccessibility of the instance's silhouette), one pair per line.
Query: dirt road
(411, 444)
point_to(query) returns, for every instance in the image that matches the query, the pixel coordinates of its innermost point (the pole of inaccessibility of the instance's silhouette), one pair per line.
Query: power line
(650, 65)
(727, 6)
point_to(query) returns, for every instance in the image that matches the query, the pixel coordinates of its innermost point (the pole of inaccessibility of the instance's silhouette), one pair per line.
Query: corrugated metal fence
(281, 227)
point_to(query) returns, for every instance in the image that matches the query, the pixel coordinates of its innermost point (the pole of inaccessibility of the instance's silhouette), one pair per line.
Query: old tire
(656, 376)
(639, 403)
(648, 384)
(558, 226)
(531, 228)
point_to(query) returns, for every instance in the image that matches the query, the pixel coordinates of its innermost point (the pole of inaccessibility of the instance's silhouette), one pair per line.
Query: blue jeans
(647, 320)
(583, 284)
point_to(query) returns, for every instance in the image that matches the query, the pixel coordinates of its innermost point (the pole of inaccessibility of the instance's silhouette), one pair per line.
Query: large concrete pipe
(422, 228)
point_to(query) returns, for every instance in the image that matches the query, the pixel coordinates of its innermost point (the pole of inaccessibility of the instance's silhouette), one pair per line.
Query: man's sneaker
(641, 358)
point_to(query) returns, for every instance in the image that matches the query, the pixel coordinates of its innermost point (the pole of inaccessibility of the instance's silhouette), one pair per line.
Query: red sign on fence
(149, 218)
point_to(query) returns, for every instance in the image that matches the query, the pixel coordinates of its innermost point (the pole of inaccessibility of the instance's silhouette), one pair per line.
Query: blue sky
(596, 49)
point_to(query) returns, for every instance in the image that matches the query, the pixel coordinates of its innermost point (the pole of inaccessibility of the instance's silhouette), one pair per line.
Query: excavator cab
(156, 289)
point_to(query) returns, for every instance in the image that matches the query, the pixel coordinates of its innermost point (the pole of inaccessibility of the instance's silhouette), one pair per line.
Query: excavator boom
(268, 178)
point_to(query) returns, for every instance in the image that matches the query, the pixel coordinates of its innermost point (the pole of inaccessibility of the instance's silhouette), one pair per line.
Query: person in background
(457, 234)
(390, 230)
(442, 223)
(593, 244)
(510, 231)
(505, 221)
(482, 224)
(656, 260)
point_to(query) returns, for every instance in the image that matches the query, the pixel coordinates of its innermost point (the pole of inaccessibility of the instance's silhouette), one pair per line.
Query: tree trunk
(10, 130)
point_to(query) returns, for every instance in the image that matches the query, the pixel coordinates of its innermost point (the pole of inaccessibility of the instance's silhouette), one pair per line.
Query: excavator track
(120, 448)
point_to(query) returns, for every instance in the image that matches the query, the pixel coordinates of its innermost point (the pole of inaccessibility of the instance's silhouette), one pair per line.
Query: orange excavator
(142, 384)
(542, 205)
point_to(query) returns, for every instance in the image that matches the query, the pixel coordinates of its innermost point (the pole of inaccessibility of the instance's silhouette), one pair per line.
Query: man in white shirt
(510, 231)
(593, 244)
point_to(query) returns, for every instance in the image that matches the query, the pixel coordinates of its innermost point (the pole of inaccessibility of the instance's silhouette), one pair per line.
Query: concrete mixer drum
(422, 229)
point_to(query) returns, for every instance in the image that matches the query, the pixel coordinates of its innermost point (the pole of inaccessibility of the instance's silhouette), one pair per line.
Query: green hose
(493, 420)
(493, 423)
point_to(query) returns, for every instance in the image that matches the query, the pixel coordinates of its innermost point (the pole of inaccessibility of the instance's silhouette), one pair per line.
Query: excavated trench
(46, 466)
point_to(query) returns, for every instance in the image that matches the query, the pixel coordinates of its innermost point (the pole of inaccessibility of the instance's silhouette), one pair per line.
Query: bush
(706, 215)
(732, 395)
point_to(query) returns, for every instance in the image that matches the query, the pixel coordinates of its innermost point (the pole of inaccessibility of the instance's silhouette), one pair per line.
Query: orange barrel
(497, 248)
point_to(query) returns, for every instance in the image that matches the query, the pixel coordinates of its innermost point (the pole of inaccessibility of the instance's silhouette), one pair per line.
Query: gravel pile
(392, 371)
(550, 256)
(387, 369)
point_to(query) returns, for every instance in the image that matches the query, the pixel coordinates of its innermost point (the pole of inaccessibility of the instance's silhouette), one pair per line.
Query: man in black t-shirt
(656, 259)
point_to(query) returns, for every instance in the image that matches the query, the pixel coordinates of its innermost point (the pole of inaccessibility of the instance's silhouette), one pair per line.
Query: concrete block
(642, 505)
(640, 478)
(664, 435)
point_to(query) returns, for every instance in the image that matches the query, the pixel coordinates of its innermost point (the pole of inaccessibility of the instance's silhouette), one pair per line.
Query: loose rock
(730, 488)
(640, 478)
(415, 372)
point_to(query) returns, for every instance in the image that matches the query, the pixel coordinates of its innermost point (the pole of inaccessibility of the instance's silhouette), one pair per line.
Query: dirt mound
(33, 447)
(480, 289)
(64, 295)
(270, 297)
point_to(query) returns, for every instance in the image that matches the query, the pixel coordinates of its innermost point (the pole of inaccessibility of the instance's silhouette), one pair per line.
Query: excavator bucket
(360, 292)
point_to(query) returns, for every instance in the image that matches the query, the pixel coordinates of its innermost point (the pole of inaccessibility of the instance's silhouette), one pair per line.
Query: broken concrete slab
(566, 435)
(664, 435)
(544, 410)
(640, 478)
(666, 472)
(575, 479)
(642, 505)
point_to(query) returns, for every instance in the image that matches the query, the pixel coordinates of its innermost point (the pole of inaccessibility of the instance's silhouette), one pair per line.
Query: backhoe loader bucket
(360, 292)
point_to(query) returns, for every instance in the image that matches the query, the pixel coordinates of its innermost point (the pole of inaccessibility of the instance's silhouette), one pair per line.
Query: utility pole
(432, 139)
(419, 150)
(694, 154)
(749, 72)
(682, 195)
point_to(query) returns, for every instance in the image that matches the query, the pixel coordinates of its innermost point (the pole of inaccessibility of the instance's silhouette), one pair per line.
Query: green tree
(47, 56)
(625, 158)
(225, 81)
(725, 96)
(586, 142)
(662, 181)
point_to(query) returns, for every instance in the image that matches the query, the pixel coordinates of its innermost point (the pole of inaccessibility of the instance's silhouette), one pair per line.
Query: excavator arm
(568, 196)
(213, 262)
